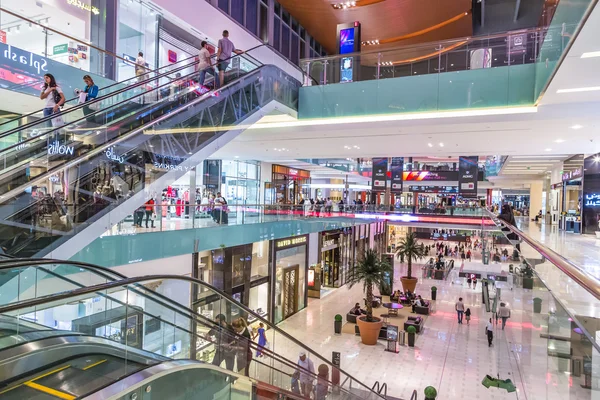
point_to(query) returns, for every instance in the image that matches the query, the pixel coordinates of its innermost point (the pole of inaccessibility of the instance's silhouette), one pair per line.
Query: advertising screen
(396, 170)
(467, 176)
(347, 41)
(430, 175)
(346, 70)
(379, 173)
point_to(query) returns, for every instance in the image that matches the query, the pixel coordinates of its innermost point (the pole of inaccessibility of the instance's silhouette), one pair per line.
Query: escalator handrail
(102, 98)
(99, 90)
(136, 280)
(106, 145)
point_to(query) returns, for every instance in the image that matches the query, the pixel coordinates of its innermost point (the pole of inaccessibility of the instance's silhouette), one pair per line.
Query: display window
(291, 185)
(289, 291)
(138, 31)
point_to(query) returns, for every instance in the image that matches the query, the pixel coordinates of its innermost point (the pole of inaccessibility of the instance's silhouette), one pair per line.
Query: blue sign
(347, 41)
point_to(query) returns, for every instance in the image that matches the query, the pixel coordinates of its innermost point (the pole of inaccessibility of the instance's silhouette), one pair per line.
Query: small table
(385, 318)
(404, 300)
(393, 308)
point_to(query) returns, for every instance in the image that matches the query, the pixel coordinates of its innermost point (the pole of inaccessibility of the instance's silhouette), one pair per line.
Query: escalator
(62, 180)
(125, 339)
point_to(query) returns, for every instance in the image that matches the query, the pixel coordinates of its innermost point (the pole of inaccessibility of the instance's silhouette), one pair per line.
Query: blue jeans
(48, 111)
(460, 316)
(211, 71)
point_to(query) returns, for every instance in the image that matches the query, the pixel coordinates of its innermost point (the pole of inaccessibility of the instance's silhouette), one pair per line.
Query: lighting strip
(354, 120)
(426, 30)
(581, 89)
(591, 54)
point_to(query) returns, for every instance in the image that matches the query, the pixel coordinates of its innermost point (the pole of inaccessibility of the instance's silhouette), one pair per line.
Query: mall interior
(282, 199)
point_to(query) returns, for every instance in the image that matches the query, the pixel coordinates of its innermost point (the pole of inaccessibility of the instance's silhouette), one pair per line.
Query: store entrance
(290, 290)
(331, 267)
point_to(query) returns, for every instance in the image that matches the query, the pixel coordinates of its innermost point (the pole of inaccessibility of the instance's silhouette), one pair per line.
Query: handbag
(56, 96)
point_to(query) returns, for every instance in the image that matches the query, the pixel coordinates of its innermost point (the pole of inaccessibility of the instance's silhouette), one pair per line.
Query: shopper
(322, 382)
(460, 309)
(138, 216)
(204, 66)
(53, 96)
(504, 313)
(468, 315)
(306, 370)
(140, 67)
(91, 92)
(226, 47)
(469, 282)
(262, 340)
(220, 212)
(489, 329)
(221, 336)
(475, 283)
(149, 211)
(243, 351)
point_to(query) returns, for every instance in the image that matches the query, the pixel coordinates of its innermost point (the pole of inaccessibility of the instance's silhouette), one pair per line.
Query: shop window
(259, 299)
(224, 5)
(277, 9)
(277, 34)
(252, 16)
(290, 265)
(260, 260)
(285, 17)
(264, 27)
(229, 168)
(285, 41)
(295, 50)
(237, 11)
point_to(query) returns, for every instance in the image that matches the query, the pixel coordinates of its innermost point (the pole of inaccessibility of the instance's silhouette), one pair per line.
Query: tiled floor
(451, 357)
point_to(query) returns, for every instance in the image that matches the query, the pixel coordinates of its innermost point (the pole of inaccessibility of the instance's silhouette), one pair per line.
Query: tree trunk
(369, 302)
(409, 272)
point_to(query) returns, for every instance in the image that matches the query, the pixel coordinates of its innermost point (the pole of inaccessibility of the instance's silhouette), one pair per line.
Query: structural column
(535, 197)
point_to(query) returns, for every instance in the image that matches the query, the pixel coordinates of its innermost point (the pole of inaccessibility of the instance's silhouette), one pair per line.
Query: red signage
(2, 36)
(172, 56)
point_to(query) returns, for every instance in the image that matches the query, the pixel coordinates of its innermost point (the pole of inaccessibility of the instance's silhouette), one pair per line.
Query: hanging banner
(467, 176)
(396, 169)
(380, 168)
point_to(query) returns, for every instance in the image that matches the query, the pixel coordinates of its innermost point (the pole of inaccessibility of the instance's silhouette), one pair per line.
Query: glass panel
(252, 16)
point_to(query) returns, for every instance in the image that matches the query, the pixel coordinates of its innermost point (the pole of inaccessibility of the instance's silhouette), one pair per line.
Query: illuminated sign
(39, 64)
(83, 6)
(592, 200)
(54, 179)
(111, 155)
(170, 166)
(293, 171)
(57, 148)
(290, 242)
(311, 278)
(327, 243)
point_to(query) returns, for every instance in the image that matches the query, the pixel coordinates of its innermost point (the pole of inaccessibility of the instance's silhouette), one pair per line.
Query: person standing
(504, 313)
(140, 67)
(307, 370)
(262, 339)
(91, 92)
(204, 66)
(149, 211)
(53, 95)
(220, 209)
(226, 47)
(489, 329)
(223, 334)
(243, 351)
(460, 309)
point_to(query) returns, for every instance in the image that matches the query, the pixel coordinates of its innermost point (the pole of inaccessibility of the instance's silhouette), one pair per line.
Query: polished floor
(451, 357)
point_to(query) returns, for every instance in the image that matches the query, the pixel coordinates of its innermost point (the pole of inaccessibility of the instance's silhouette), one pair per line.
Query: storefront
(395, 234)
(571, 201)
(289, 286)
(335, 257)
(361, 240)
(378, 230)
(291, 185)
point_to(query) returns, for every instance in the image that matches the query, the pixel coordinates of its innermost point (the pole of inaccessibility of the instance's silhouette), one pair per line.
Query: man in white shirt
(226, 47)
(306, 378)
(140, 67)
(460, 309)
(204, 66)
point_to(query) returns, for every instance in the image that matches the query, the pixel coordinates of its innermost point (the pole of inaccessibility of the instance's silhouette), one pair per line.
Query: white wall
(178, 265)
(211, 21)
(313, 248)
(266, 175)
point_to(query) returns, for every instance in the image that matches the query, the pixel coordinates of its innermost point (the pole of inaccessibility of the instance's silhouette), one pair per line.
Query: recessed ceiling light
(591, 54)
(441, 144)
(558, 141)
(581, 89)
(548, 149)
(596, 158)
(236, 156)
(429, 144)
(577, 126)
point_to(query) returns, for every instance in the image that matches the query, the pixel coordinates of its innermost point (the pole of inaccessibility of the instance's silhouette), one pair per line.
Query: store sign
(330, 242)
(575, 174)
(54, 179)
(293, 171)
(2, 36)
(517, 43)
(111, 155)
(430, 175)
(172, 56)
(60, 49)
(22, 145)
(290, 242)
(171, 167)
(434, 189)
(380, 168)
(396, 170)
(311, 278)
(467, 175)
(62, 149)
(25, 58)
(86, 7)
(592, 200)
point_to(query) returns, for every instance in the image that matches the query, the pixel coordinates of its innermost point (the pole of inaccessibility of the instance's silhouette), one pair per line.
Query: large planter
(337, 326)
(433, 294)
(408, 284)
(369, 331)
(411, 339)
(527, 283)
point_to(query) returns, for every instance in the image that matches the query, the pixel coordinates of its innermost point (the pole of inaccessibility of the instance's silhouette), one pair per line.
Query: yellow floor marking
(94, 364)
(45, 389)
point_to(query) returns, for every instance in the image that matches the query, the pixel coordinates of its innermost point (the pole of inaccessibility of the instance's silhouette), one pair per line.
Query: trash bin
(577, 366)
(402, 338)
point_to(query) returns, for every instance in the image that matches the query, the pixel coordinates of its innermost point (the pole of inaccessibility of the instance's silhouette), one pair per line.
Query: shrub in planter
(337, 324)
(433, 293)
(411, 330)
(430, 393)
(537, 305)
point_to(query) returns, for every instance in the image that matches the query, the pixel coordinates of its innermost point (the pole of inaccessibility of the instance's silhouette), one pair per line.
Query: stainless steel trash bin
(402, 338)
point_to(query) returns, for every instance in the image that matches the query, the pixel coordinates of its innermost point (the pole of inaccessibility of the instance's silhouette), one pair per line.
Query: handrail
(423, 45)
(135, 280)
(100, 99)
(413, 396)
(584, 279)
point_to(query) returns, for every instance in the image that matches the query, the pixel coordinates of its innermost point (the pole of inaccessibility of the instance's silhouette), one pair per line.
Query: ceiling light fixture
(548, 149)
(441, 144)
(597, 159)
(591, 54)
(581, 89)
(577, 126)
(429, 144)
(558, 141)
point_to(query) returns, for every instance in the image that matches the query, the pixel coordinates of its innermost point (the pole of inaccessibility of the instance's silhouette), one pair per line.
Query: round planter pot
(409, 284)
(411, 339)
(369, 331)
(337, 327)
(433, 294)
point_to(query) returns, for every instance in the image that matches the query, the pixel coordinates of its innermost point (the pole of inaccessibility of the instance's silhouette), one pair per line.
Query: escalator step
(26, 392)
(74, 381)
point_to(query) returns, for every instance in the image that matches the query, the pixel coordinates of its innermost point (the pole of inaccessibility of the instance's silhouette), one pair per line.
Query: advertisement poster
(311, 278)
(346, 70)
(517, 43)
(380, 168)
(396, 169)
(347, 41)
(430, 176)
(591, 195)
(467, 175)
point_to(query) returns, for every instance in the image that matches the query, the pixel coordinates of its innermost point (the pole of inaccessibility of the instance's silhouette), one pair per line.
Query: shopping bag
(95, 106)
(82, 97)
(57, 121)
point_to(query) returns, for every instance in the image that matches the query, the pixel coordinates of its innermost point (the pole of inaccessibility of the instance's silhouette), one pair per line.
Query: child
(468, 315)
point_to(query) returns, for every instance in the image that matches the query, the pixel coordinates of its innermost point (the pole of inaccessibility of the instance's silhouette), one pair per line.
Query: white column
(535, 197)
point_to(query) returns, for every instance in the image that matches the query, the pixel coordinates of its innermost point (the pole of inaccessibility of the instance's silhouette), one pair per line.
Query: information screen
(347, 41)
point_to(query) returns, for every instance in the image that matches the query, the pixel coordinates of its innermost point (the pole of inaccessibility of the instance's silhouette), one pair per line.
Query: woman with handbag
(91, 92)
(54, 97)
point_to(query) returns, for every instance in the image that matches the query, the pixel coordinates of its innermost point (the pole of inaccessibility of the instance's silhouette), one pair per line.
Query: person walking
(91, 92)
(474, 283)
(307, 371)
(226, 47)
(504, 314)
(204, 66)
(243, 351)
(53, 96)
(468, 315)
(224, 341)
(460, 309)
(140, 67)
(489, 329)
(262, 339)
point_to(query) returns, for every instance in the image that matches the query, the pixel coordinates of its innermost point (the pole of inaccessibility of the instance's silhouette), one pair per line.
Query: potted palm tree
(370, 270)
(411, 250)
